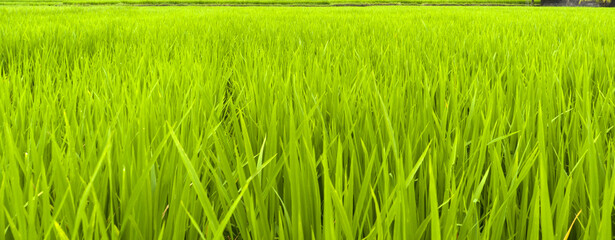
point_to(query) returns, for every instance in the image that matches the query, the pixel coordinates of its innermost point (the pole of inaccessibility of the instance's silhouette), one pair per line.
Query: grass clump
(306, 123)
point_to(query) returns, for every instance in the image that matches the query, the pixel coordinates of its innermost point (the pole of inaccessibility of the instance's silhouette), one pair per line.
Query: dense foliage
(306, 123)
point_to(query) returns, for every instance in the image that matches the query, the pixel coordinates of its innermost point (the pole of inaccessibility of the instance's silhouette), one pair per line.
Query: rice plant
(306, 123)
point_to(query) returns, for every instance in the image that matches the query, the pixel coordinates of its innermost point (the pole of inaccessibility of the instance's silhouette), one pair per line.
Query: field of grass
(265, 2)
(307, 123)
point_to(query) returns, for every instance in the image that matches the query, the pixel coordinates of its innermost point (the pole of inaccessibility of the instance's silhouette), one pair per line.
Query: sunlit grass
(306, 123)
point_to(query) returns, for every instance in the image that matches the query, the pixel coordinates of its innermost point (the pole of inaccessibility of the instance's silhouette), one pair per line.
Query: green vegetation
(306, 123)
(264, 2)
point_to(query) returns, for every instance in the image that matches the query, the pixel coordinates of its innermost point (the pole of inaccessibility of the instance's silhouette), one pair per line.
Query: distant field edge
(245, 3)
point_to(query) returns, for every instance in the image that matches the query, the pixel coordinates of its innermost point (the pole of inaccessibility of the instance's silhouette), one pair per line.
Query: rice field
(272, 2)
(306, 123)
